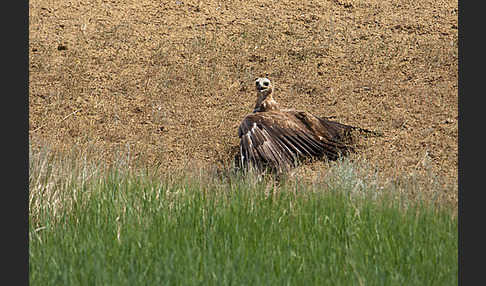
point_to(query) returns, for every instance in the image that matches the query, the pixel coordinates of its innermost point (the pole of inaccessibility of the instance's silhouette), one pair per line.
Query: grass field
(115, 226)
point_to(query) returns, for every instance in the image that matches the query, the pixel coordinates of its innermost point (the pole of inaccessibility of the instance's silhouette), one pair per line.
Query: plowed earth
(170, 81)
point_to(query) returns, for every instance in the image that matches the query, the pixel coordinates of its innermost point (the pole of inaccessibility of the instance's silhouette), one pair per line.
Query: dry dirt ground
(170, 81)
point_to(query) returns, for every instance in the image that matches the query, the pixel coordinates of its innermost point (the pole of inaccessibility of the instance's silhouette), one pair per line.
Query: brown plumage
(277, 139)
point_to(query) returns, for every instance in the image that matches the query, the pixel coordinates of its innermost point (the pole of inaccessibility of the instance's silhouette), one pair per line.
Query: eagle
(278, 139)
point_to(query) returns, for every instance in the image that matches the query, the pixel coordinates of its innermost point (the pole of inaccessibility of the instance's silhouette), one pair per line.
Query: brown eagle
(277, 139)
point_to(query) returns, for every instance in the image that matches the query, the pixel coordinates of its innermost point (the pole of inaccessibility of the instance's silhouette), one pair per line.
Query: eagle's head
(263, 86)
(265, 101)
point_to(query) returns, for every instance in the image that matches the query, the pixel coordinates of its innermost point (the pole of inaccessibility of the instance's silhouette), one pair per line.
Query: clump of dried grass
(58, 180)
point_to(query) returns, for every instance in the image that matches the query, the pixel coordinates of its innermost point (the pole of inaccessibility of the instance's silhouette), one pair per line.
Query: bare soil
(170, 81)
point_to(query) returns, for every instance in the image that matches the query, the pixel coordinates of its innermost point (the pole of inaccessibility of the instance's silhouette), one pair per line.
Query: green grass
(124, 228)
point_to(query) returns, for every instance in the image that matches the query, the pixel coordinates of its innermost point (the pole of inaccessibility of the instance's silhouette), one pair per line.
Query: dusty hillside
(170, 81)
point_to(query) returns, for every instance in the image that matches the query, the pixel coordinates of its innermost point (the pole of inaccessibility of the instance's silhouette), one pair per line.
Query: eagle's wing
(278, 139)
(328, 130)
